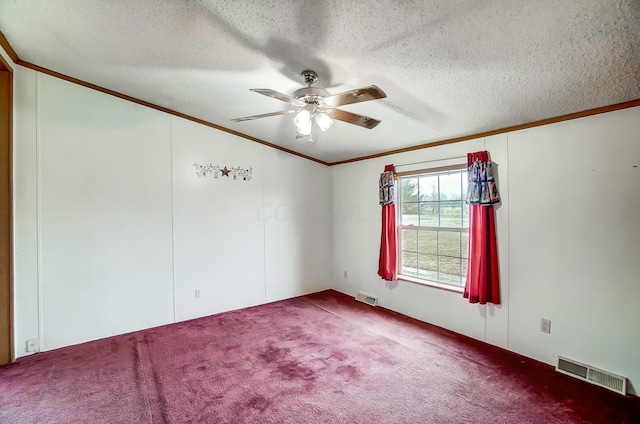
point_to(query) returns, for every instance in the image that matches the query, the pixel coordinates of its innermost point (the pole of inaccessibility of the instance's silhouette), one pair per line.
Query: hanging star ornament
(225, 171)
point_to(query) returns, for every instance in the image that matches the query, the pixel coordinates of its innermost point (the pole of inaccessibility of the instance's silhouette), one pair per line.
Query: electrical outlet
(545, 325)
(198, 293)
(32, 345)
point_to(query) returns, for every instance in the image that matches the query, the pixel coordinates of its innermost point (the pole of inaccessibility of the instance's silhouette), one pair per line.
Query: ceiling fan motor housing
(310, 94)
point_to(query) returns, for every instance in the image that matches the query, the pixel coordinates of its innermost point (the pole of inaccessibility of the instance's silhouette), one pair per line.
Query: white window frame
(411, 278)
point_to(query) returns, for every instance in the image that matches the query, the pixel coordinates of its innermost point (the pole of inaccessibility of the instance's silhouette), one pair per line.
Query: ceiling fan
(316, 104)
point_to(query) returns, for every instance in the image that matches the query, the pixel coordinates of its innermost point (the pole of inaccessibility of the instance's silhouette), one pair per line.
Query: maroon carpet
(322, 358)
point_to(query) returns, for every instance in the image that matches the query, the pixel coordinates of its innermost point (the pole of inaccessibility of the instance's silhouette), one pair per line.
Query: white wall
(104, 214)
(574, 253)
(298, 255)
(568, 242)
(114, 231)
(26, 316)
(246, 242)
(219, 242)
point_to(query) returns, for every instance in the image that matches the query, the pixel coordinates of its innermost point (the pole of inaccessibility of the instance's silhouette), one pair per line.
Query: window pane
(449, 243)
(409, 189)
(451, 214)
(450, 270)
(464, 271)
(428, 265)
(409, 214)
(465, 244)
(429, 188)
(465, 184)
(429, 214)
(409, 239)
(428, 242)
(465, 215)
(434, 200)
(409, 263)
(451, 187)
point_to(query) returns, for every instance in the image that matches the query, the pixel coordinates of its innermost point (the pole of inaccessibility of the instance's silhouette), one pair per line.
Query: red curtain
(483, 279)
(387, 262)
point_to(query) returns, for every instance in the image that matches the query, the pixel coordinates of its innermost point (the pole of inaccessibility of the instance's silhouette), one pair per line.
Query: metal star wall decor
(236, 173)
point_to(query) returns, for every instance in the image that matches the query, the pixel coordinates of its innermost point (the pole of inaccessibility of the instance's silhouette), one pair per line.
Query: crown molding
(162, 109)
(567, 117)
(596, 111)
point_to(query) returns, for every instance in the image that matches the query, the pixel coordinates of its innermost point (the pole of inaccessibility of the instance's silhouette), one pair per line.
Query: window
(433, 226)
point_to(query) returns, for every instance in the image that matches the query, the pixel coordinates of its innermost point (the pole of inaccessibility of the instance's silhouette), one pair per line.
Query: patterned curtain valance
(482, 189)
(388, 186)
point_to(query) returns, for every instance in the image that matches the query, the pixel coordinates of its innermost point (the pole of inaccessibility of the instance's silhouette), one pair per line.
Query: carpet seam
(144, 380)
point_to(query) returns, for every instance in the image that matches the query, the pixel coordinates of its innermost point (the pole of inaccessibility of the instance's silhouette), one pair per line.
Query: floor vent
(593, 375)
(367, 298)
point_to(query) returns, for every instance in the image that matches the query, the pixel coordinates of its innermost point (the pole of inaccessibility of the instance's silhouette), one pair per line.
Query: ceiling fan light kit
(317, 105)
(323, 121)
(302, 120)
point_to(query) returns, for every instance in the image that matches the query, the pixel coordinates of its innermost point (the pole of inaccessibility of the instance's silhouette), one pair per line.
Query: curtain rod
(434, 160)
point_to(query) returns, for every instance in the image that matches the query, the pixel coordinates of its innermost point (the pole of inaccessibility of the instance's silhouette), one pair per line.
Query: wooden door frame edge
(6, 67)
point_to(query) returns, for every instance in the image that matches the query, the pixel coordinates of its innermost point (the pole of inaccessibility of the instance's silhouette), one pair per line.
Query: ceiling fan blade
(358, 95)
(353, 118)
(283, 97)
(264, 115)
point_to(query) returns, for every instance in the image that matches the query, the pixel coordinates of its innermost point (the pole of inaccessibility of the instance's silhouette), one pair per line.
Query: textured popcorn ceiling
(449, 68)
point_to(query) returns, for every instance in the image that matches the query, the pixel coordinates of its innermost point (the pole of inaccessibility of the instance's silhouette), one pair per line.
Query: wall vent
(593, 375)
(367, 298)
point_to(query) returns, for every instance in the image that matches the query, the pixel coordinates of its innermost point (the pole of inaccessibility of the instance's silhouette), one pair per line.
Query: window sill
(429, 283)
